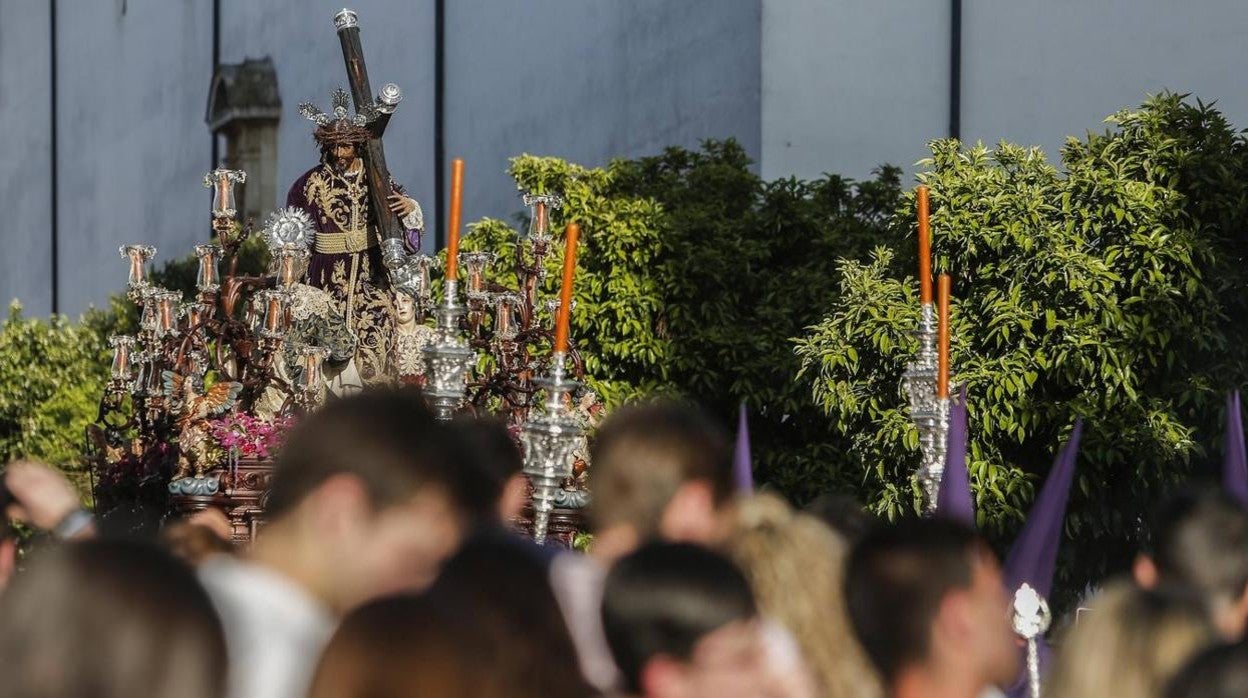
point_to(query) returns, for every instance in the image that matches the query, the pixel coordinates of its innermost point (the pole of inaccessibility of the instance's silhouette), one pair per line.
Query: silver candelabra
(929, 413)
(549, 441)
(448, 357)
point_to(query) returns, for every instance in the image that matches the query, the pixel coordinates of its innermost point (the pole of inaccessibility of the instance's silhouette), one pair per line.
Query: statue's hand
(401, 205)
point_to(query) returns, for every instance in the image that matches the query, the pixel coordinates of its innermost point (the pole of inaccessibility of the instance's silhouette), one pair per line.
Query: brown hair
(405, 646)
(1131, 643)
(643, 454)
(387, 438)
(109, 618)
(506, 584)
(796, 566)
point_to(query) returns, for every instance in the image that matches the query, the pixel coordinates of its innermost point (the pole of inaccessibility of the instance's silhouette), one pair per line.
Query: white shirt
(577, 581)
(274, 630)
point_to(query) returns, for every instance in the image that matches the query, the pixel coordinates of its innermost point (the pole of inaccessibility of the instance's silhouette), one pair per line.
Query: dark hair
(664, 598)
(895, 581)
(843, 514)
(405, 646)
(1218, 672)
(1200, 541)
(386, 438)
(643, 454)
(491, 458)
(109, 618)
(505, 583)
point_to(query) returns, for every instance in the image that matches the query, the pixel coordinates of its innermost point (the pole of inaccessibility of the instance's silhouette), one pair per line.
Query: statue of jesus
(346, 254)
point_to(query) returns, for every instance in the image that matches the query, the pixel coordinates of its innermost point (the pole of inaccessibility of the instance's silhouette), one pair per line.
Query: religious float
(201, 395)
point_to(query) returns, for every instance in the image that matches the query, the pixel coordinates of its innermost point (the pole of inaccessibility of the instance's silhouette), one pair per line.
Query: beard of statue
(341, 157)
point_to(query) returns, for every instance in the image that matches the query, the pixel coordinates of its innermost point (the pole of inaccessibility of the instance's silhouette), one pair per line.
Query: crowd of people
(387, 567)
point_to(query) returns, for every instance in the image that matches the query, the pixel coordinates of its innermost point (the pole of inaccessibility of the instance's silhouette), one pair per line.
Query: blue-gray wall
(809, 86)
(585, 79)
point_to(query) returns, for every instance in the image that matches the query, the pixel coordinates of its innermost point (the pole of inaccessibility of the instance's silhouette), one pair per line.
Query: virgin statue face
(404, 308)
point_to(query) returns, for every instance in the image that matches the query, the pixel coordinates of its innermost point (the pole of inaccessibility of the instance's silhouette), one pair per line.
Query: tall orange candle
(452, 236)
(223, 192)
(925, 247)
(942, 360)
(571, 234)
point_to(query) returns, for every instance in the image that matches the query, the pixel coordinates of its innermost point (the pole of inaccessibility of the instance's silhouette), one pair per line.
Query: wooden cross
(374, 154)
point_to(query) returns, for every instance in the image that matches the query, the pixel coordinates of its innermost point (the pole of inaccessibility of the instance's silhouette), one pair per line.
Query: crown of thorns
(339, 129)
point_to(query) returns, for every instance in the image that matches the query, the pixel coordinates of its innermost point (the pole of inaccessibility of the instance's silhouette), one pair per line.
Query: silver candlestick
(1031, 619)
(929, 413)
(448, 358)
(549, 442)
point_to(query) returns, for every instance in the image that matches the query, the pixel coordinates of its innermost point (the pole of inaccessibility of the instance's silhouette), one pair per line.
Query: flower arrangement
(250, 437)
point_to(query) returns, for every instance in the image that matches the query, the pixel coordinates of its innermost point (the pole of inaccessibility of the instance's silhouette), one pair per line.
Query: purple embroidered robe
(346, 260)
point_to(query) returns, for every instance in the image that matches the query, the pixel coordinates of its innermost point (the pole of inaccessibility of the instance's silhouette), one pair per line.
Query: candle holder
(121, 373)
(549, 440)
(138, 256)
(221, 182)
(475, 263)
(929, 413)
(1031, 618)
(311, 379)
(166, 302)
(207, 280)
(289, 260)
(540, 206)
(448, 358)
(273, 307)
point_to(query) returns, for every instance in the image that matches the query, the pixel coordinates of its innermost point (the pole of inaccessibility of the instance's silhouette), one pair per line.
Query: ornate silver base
(929, 413)
(448, 359)
(549, 441)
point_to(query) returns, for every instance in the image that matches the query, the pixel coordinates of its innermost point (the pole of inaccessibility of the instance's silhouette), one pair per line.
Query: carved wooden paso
(374, 154)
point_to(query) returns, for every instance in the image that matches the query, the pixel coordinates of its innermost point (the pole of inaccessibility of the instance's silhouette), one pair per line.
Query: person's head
(662, 470)
(681, 621)
(514, 614)
(1200, 542)
(366, 498)
(796, 567)
(926, 594)
(193, 543)
(404, 308)
(109, 618)
(402, 646)
(843, 514)
(1131, 642)
(1219, 672)
(493, 468)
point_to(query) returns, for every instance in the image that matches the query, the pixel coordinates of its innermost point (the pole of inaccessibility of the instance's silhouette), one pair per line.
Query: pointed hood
(1033, 558)
(742, 464)
(1234, 460)
(954, 500)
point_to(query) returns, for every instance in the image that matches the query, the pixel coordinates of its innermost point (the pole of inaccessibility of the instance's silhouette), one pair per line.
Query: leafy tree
(52, 374)
(693, 275)
(1109, 290)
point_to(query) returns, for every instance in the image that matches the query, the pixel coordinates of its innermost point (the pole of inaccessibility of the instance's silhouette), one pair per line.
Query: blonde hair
(795, 565)
(1131, 643)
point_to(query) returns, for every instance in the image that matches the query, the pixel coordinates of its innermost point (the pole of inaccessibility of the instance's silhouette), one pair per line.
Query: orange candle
(452, 236)
(942, 361)
(925, 247)
(571, 234)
